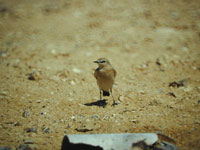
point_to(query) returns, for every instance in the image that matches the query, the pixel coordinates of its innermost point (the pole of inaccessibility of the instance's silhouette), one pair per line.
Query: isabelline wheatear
(105, 75)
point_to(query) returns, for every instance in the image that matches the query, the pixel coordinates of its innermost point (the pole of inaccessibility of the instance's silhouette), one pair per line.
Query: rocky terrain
(47, 88)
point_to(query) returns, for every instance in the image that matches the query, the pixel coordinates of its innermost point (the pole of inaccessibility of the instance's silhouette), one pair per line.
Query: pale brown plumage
(105, 75)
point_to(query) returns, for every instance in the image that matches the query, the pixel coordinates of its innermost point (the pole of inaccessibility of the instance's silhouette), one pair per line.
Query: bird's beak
(96, 61)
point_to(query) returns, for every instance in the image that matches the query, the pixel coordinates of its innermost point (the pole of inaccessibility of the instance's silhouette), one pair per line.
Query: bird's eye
(103, 61)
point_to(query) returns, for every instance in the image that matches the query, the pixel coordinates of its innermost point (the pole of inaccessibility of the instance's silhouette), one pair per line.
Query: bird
(105, 75)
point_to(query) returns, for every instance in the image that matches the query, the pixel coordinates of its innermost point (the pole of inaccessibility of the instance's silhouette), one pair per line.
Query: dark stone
(83, 130)
(178, 84)
(198, 101)
(31, 130)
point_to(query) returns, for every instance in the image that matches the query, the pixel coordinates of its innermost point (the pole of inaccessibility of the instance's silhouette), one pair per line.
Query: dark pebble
(31, 130)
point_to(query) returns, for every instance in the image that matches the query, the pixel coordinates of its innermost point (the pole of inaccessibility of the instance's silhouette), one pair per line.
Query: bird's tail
(105, 93)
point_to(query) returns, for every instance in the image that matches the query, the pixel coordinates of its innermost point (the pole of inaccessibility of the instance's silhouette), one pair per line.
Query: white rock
(72, 82)
(194, 68)
(53, 51)
(76, 70)
(38, 101)
(141, 92)
(73, 117)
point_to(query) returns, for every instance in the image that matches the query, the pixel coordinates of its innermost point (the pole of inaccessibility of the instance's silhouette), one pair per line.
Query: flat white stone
(114, 141)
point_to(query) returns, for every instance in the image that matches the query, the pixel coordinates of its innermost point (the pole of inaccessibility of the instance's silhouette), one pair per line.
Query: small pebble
(46, 130)
(26, 113)
(24, 147)
(73, 118)
(31, 130)
(29, 141)
(76, 70)
(72, 82)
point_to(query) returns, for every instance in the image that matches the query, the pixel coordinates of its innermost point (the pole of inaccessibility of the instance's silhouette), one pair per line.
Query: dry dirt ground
(47, 49)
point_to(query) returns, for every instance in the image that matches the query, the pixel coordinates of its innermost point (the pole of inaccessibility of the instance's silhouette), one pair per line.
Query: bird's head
(102, 62)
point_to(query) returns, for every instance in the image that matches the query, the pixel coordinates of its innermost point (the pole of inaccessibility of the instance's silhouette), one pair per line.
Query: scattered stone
(3, 53)
(198, 101)
(72, 82)
(46, 130)
(143, 66)
(31, 130)
(161, 61)
(34, 76)
(17, 124)
(5, 148)
(95, 117)
(83, 129)
(24, 147)
(141, 92)
(10, 122)
(134, 121)
(76, 70)
(171, 94)
(29, 141)
(158, 62)
(3, 93)
(26, 113)
(38, 101)
(43, 113)
(73, 118)
(178, 84)
(194, 67)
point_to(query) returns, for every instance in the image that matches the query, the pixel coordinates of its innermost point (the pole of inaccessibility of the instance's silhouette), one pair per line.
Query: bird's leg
(114, 103)
(100, 95)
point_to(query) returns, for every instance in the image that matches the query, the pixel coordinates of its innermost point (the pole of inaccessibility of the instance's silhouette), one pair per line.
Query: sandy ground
(47, 49)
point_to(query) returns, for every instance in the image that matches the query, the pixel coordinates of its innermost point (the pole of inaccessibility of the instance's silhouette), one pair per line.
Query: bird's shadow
(100, 103)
